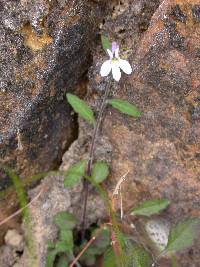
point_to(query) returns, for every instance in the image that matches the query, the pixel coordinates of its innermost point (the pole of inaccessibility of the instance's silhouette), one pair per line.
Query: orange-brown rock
(161, 150)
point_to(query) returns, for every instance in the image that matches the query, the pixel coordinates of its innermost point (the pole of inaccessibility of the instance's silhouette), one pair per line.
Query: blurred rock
(14, 239)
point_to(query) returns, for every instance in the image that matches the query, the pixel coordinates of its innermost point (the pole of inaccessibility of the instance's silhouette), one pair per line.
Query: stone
(44, 54)
(56, 198)
(14, 239)
(8, 256)
(160, 150)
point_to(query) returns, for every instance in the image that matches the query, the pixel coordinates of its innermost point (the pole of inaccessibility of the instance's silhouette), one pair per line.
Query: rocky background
(160, 151)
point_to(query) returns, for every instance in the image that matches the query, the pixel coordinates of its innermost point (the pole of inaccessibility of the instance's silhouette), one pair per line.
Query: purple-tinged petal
(114, 47)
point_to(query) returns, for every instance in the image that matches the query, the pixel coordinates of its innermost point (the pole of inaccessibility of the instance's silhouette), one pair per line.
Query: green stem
(91, 153)
(115, 226)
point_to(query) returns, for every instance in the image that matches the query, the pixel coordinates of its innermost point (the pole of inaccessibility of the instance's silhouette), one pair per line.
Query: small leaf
(81, 108)
(151, 207)
(51, 258)
(182, 235)
(105, 43)
(75, 173)
(100, 172)
(64, 220)
(124, 107)
(66, 236)
(102, 241)
(141, 257)
(61, 246)
(109, 259)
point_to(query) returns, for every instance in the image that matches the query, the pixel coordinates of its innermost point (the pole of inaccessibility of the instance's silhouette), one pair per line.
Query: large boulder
(45, 52)
(160, 150)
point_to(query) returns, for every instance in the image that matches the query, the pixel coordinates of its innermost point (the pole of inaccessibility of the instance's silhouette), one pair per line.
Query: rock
(44, 54)
(160, 150)
(56, 198)
(8, 256)
(14, 239)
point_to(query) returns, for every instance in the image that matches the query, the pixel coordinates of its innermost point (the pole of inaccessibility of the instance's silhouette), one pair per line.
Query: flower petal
(117, 52)
(116, 72)
(110, 53)
(106, 68)
(125, 66)
(114, 47)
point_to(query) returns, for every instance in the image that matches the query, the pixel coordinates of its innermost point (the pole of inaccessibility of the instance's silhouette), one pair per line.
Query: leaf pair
(99, 173)
(86, 113)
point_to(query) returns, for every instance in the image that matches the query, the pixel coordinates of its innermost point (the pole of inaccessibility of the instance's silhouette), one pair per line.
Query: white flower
(115, 63)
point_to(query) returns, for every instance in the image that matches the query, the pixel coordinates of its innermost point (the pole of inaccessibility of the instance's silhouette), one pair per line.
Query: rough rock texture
(55, 199)
(45, 50)
(160, 150)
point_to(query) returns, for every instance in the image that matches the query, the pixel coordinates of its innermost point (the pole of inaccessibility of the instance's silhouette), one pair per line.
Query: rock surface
(44, 54)
(160, 150)
(45, 51)
(14, 239)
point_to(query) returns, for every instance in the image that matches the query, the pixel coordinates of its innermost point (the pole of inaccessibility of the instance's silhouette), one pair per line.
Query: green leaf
(182, 235)
(62, 246)
(109, 259)
(51, 258)
(124, 107)
(64, 220)
(105, 43)
(141, 258)
(100, 172)
(151, 207)
(66, 236)
(63, 261)
(75, 173)
(102, 241)
(81, 108)
(98, 247)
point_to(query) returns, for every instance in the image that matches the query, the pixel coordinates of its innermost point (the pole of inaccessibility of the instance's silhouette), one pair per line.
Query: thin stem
(25, 207)
(91, 152)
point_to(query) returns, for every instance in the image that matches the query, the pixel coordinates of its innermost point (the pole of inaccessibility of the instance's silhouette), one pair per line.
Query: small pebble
(14, 239)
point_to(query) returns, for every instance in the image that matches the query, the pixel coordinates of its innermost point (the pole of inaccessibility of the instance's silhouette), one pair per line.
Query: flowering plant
(115, 63)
